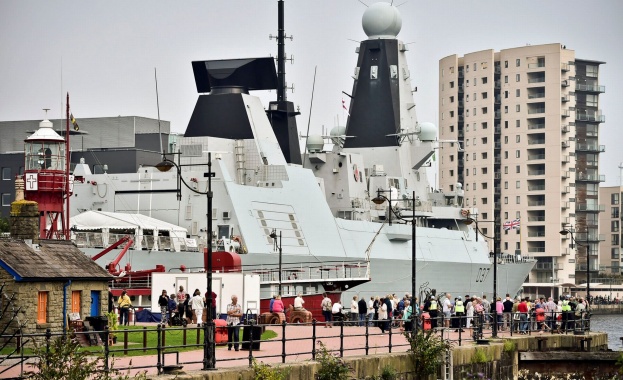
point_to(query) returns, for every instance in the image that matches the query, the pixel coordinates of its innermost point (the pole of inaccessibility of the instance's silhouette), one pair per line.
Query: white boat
(318, 203)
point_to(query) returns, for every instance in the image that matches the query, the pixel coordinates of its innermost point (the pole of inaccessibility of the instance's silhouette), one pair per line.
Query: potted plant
(113, 325)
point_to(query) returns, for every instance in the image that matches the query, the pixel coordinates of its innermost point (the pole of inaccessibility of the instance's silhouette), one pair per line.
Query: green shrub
(266, 372)
(427, 351)
(509, 346)
(332, 367)
(388, 373)
(480, 356)
(64, 360)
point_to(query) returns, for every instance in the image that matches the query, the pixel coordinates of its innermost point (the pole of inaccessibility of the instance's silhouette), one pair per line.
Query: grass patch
(480, 356)
(137, 335)
(509, 346)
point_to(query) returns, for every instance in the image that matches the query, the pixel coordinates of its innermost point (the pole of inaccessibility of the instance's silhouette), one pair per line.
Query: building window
(483, 125)
(484, 80)
(484, 110)
(6, 174)
(505, 200)
(505, 139)
(505, 124)
(506, 170)
(484, 170)
(505, 215)
(452, 84)
(506, 154)
(614, 213)
(518, 169)
(517, 62)
(517, 92)
(614, 226)
(614, 239)
(474, 111)
(474, 186)
(484, 187)
(506, 184)
(483, 201)
(505, 109)
(517, 108)
(484, 155)
(517, 77)
(505, 78)
(517, 138)
(517, 154)
(451, 113)
(483, 95)
(75, 301)
(505, 94)
(518, 200)
(517, 123)
(42, 307)
(484, 140)
(517, 184)
(614, 199)
(6, 199)
(452, 99)
(506, 64)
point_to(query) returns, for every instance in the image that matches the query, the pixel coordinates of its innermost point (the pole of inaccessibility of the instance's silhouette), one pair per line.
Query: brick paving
(298, 347)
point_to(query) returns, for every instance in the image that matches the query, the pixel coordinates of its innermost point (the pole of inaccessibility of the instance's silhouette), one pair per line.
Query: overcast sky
(106, 52)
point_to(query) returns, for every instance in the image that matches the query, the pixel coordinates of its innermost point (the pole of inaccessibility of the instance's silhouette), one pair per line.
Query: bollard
(341, 340)
(390, 337)
(145, 339)
(283, 341)
(158, 348)
(250, 344)
(367, 334)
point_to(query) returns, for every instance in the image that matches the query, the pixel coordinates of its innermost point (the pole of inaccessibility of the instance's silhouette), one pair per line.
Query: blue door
(95, 303)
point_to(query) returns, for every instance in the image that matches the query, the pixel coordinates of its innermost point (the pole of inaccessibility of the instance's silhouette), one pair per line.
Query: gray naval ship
(327, 209)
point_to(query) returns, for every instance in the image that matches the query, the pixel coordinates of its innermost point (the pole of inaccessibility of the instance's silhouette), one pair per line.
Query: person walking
(447, 309)
(197, 305)
(508, 311)
(523, 310)
(163, 302)
(234, 312)
(459, 311)
(371, 312)
(363, 310)
(383, 316)
(354, 311)
(327, 306)
(124, 309)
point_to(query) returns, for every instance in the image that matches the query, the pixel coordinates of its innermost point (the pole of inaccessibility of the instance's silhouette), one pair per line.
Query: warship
(348, 215)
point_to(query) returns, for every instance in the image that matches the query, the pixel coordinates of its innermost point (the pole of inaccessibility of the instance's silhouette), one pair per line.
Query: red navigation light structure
(46, 179)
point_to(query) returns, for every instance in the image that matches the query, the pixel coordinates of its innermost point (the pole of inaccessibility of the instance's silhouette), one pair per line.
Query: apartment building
(610, 227)
(526, 125)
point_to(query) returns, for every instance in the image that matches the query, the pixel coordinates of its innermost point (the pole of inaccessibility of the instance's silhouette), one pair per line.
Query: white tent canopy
(104, 222)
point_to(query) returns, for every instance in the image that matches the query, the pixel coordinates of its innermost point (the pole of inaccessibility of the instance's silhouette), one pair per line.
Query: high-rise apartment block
(610, 228)
(522, 127)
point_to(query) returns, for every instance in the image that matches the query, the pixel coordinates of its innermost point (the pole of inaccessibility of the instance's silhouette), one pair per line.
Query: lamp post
(380, 199)
(564, 232)
(273, 235)
(468, 220)
(209, 358)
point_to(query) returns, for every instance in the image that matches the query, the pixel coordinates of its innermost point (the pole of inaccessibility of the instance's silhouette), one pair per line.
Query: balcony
(460, 118)
(533, 157)
(536, 110)
(564, 98)
(497, 145)
(565, 190)
(536, 65)
(564, 113)
(546, 266)
(539, 218)
(537, 234)
(590, 88)
(497, 70)
(589, 177)
(497, 130)
(598, 118)
(461, 75)
(498, 99)
(536, 188)
(591, 148)
(590, 208)
(565, 205)
(565, 144)
(536, 172)
(460, 89)
(537, 126)
(497, 85)
(536, 203)
(589, 237)
(565, 174)
(564, 83)
(497, 115)
(565, 128)
(536, 80)
(565, 159)
(536, 95)
(536, 249)
(536, 141)
(564, 67)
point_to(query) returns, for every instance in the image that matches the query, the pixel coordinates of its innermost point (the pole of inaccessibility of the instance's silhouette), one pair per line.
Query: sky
(104, 53)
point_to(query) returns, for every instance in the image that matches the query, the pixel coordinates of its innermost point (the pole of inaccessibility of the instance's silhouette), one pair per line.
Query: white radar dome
(428, 131)
(315, 143)
(337, 135)
(381, 20)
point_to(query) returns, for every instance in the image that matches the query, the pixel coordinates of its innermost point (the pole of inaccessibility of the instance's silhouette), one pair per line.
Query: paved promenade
(298, 347)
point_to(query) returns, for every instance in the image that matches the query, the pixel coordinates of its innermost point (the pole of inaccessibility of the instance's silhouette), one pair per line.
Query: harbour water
(611, 324)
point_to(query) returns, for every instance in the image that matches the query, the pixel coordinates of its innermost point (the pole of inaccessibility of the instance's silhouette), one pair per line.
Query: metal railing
(296, 341)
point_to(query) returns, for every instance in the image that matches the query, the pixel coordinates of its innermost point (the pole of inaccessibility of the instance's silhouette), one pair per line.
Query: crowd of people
(460, 313)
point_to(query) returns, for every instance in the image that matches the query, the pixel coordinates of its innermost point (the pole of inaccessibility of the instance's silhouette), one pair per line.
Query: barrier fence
(297, 341)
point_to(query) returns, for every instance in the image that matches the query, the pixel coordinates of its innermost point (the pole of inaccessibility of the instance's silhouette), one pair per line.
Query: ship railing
(314, 272)
(96, 239)
(506, 258)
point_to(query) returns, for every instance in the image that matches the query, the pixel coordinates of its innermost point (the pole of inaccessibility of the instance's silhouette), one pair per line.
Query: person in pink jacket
(278, 305)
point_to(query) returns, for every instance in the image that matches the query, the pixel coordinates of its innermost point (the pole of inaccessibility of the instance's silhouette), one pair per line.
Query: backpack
(326, 304)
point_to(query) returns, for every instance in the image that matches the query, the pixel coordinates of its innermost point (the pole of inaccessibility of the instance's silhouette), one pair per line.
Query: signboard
(31, 182)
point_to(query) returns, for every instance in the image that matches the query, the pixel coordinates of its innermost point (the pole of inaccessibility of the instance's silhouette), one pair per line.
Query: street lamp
(588, 273)
(380, 199)
(468, 220)
(209, 348)
(273, 235)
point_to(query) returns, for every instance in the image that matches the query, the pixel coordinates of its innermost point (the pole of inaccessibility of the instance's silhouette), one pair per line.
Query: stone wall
(26, 299)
